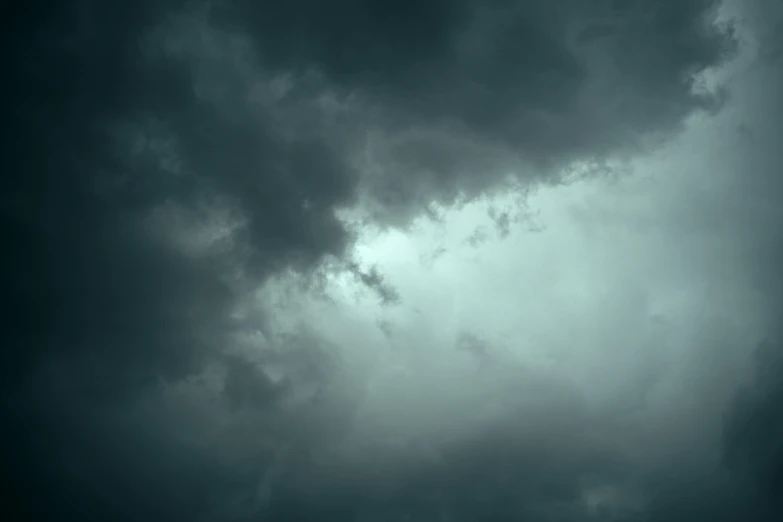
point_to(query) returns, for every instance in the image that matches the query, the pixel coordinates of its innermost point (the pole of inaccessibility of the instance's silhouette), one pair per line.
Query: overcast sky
(433, 260)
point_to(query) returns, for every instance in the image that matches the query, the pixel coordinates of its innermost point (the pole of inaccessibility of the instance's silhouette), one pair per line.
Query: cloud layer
(193, 329)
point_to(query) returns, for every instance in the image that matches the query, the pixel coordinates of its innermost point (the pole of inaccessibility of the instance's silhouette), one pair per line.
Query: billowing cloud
(364, 260)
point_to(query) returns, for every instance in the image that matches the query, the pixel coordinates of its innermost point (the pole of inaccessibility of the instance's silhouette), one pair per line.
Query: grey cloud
(160, 161)
(374, 280)
(754, 433)
(453, 89)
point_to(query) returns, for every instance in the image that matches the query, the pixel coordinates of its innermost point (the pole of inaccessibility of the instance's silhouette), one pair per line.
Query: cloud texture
(194, 333)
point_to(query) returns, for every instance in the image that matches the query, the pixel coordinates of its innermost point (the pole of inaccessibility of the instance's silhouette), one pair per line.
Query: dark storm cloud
(160, 160)
(476, 87)
(753, 434)
(754, 429)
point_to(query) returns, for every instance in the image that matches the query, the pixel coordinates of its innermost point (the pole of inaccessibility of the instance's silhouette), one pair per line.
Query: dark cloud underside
(162, 159)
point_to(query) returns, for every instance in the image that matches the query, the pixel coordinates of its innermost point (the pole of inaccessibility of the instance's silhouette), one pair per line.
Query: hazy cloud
(188, 192)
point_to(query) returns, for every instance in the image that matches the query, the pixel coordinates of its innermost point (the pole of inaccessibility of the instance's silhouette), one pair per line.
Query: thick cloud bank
(373, 260)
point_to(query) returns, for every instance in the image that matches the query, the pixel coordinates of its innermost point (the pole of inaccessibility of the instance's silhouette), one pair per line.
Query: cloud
(176, 180)
(753, 431)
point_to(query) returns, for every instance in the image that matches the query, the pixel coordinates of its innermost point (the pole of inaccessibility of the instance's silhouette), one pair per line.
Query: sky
(379, 261)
